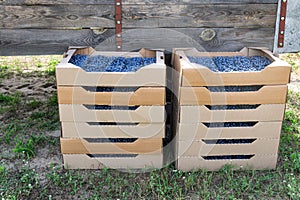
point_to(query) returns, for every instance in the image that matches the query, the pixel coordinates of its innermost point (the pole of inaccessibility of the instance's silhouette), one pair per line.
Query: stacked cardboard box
(112, 119)
(228, 117)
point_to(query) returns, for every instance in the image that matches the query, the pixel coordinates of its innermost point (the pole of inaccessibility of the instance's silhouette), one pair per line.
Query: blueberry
(78, 60)
(233, 88)
(227, 157)
(110, 64)
(122, 140)
(106, 107)
(149, 61)
(234, 63)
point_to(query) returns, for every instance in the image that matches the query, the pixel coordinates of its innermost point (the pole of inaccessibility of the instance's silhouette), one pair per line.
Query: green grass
(23, 137)
(24, 148)
(19, 185)
(167, 183)
(293, 59)
(11, 100)
(50, 70)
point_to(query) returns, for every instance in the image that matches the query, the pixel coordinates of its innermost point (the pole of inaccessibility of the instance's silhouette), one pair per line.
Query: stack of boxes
(117, 119)
(228, 117)
(112, 119)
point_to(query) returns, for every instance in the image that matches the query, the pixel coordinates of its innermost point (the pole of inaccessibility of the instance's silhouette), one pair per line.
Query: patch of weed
(8, 131)
(52, 101)
(33, 104)
(10, 99)
(293, 59)
(5, 72)
(50, 70)
(295, 158)
(24, 148)
(68, 179)
(292, 185)
(19, 185)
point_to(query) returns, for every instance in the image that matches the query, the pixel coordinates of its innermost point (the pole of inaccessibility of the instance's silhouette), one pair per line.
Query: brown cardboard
(81, 146)
(191, 110)
(85, 130)
(81, 113)
(278, 72)
(142, 96)
(201, 113)
(200, 148)
(261, 130)
(68, 74)
(82, 161)
(258, 162)
(202, 96)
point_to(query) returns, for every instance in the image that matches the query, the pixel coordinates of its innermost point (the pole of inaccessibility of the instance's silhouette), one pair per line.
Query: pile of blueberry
(233, 63)
(229, 124)
(122, 140)
(230, 141)
(112, 124)
(105, 107)
(110, 64)
(112, 155)
(232, 107)
(116, 89)
(234, 88)
(228, 157)
(111, 140)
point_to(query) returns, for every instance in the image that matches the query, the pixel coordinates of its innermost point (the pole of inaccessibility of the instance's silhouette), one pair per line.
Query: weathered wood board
(37, 41)
(292, 28)
(47, 2)
(49, 27)
(137, 16)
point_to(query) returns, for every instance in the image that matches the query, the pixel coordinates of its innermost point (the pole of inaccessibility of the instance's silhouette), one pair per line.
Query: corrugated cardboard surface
(258, 162)
(85, 130)
(81, 113)
(82, 161)
(277, 73)
(202, 76)
(202, 96)
(194, 140)
(142, 96)
(151, 75)
(201, 113)
(261, 130)
(81, 146)
(200, 148)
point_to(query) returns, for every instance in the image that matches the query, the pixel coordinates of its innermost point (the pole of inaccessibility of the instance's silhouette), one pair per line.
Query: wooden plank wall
(49, 27)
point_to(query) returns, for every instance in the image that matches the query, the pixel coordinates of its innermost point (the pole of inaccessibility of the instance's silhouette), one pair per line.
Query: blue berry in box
(149, 61)
(110, 63)
(78, 60)
(233, 63)
(122, 140)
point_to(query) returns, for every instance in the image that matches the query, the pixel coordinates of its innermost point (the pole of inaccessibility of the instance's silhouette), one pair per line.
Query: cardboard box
(202, 113)
(257, 162)
(94, 111)
(84, 113)
(87, 130)
(68, 74)
(83, 161)
(200, 145)
(261, 130)
(258, 154)
(195, 75)
(204, 147)
(82, 146)
(202, 96)
(147, 96)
